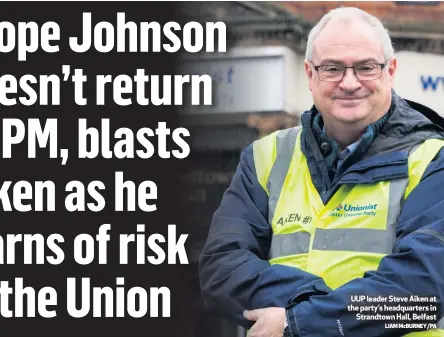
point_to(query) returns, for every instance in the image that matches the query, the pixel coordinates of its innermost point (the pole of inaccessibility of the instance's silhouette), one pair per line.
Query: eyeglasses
(336, 72)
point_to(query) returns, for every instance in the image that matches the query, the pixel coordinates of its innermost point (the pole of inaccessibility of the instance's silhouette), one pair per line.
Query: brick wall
(390, 12)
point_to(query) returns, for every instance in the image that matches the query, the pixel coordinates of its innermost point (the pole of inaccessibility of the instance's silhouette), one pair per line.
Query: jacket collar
(312, 122)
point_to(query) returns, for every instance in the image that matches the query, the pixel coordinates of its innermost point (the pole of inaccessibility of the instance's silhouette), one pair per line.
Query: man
(351, 204)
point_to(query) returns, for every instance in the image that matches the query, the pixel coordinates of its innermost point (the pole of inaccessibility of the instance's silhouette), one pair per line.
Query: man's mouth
(350, 98)
(349, 101)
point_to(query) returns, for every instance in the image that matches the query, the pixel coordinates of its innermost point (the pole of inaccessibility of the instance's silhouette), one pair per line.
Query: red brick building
(410, 19)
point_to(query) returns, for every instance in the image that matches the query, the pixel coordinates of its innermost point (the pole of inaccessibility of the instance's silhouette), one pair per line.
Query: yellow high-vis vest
(348, 236)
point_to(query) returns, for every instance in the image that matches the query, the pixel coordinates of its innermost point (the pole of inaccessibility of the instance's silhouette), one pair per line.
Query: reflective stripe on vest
(285, 144)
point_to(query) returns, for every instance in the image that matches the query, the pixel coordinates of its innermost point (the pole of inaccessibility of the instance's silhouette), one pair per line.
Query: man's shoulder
(408, 125)
(427, 112)
(272, 140)
(409, 117)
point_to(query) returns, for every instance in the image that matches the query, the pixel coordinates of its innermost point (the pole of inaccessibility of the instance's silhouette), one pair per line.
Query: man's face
(350, 100)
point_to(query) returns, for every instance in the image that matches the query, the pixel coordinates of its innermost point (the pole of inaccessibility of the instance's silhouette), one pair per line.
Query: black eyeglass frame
(316, 68)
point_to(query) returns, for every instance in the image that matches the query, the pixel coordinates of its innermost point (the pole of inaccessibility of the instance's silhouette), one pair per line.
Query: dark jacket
(235, 274)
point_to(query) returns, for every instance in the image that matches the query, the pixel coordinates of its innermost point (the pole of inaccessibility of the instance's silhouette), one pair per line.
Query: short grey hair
(347, 14)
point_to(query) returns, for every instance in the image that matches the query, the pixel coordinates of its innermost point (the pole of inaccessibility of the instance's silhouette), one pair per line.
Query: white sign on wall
(420, 78)
(249, 79)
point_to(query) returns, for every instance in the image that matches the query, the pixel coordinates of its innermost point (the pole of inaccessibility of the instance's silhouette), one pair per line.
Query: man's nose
(350, 82)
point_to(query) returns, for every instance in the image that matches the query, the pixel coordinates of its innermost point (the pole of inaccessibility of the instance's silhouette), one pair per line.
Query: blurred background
(262, 87)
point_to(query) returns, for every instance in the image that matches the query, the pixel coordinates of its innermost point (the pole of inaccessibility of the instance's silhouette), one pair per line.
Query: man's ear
(392, 66)
(309, 71)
